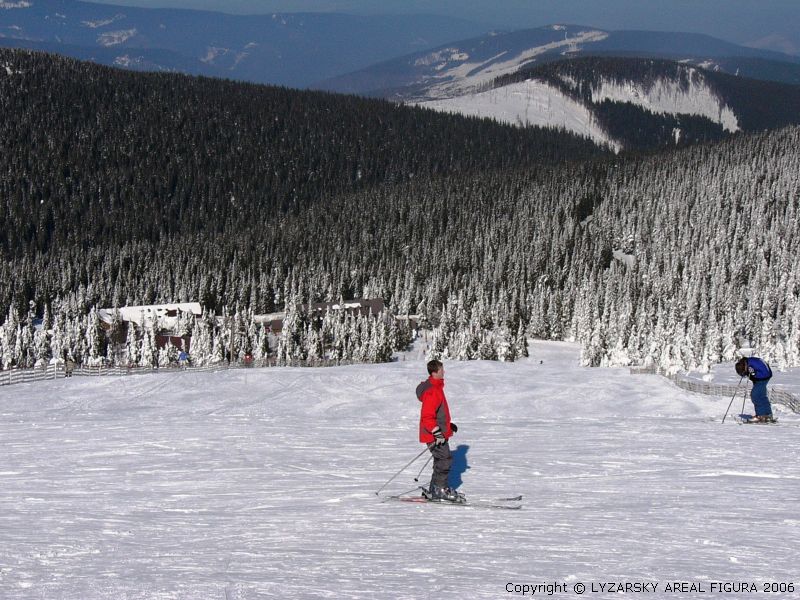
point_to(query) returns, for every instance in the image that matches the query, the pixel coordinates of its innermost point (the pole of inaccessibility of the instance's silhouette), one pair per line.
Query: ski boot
(764, 419)
(443, 494)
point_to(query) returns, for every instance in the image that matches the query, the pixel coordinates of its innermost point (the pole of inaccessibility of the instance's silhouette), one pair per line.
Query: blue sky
(764, 23)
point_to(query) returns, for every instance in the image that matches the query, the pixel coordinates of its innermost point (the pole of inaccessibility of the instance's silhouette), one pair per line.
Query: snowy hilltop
(260, 483)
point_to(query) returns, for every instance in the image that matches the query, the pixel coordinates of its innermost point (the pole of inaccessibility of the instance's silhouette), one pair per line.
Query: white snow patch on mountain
(440, 58)
(709, 65)
(212, 53)
(127, 61)
(113, 38)
(239, 57)
(527, 103)
(668, 96)
(19, 4)
(102, 22)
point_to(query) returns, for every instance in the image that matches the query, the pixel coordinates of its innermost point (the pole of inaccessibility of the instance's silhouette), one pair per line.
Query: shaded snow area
(528, 103)
(261, 484)
(668, 96)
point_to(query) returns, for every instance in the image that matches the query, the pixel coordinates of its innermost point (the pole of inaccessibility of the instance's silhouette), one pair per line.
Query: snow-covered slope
(668, 96)
(260, 484)
(535, 102)
(528, 103)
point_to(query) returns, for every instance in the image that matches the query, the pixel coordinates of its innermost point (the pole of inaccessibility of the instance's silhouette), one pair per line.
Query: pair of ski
(511, 503)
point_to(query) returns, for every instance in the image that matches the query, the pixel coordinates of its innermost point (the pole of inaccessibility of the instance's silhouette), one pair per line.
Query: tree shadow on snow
(458, 467)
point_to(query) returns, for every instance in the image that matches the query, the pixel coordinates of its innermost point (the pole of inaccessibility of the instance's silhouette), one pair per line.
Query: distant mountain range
(629, 90)
(294, 50)
(626, 90)
(345, 53)
(451, 69)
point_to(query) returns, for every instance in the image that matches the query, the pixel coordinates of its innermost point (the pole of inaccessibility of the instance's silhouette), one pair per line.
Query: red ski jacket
(434, 410)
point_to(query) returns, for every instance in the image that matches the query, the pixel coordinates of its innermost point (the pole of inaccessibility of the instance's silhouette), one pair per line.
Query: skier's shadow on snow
(459, 466)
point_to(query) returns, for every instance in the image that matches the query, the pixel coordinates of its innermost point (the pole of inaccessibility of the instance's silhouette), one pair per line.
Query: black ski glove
(453, 427)
(438, 436)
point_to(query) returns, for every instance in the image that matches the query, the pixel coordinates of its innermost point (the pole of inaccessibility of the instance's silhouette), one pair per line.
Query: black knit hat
(741, 367)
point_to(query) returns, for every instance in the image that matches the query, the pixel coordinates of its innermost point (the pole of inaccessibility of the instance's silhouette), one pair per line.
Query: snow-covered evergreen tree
(95, 339)
(148, 355)
(133, 346)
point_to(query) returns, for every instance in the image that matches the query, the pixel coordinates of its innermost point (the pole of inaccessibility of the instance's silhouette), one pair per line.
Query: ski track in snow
(260, 483)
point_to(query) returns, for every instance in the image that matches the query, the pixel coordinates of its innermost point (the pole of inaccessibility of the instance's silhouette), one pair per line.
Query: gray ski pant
(442, 461)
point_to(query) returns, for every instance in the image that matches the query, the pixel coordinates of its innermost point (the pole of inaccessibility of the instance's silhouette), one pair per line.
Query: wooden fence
(12, 376)
(776, 394)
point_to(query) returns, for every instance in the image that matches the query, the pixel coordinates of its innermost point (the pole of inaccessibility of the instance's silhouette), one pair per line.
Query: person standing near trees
(435, 429)
(759, 373)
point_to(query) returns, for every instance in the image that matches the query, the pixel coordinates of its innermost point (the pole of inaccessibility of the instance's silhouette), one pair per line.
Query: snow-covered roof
(165, 312)
(268, 318)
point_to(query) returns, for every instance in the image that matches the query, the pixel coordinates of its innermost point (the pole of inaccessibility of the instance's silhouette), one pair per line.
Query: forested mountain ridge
(756, 104)
(632, 103)
(668, 257)
(94, 155)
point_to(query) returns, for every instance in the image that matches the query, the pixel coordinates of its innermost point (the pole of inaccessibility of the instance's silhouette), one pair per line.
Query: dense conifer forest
(97, 155)
(489, 234)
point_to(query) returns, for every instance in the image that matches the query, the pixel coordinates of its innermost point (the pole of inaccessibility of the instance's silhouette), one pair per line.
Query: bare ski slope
(260, 484)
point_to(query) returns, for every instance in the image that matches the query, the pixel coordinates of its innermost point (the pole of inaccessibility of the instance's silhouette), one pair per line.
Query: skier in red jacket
(435, 429)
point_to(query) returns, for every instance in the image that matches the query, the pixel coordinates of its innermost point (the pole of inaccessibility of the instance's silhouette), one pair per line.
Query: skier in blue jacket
(759, 373)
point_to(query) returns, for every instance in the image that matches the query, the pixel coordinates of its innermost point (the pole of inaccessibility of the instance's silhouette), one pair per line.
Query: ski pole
(744, 399)
(430, 458)
(736, 391)
(412, 461)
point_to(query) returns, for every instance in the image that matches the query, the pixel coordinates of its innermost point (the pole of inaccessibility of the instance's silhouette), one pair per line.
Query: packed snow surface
(261, 483)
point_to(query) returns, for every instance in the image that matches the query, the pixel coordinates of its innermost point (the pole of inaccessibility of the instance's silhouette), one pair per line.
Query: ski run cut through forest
(260, 483)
